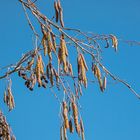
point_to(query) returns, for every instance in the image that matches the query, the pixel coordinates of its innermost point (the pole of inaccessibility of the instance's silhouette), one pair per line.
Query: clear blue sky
(114, 115)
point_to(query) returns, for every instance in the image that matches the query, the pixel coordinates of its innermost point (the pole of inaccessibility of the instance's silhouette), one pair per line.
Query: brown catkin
(84, 62)
(114, 41)
(51, 76)
(49, 45)
(58, 4)
(61, 18)
(65, 115)
(56, 11)
(43, 30)
(13, 137)
(75, 116)
(94, 70)
(41, 64)
(10, 98)
(81, 125)
(38, 72)
(8, 137)
(62, 54)
(60, 13)
(82, 129)
(63, 45)
(70, 69)
(82, 71)
(44, 39)
(101, 84)
(53, 41)
(97, 72)
(44, 44)
(33, 80)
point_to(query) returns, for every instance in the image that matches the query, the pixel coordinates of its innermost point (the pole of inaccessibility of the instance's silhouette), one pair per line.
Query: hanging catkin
(49, 45)
(56, 76)
(82, 129)
(41, 64)
(51, 76)
(10, 98)
(39, 69)
(98, 74)
(82, 68)
(56, 11)
(75, 116)
(60, 13)
(65, 115)
(70, 69)
(114, 41)
(63, 53)
(44, 44)
(84, 62)
(44, 39)
(53, 41)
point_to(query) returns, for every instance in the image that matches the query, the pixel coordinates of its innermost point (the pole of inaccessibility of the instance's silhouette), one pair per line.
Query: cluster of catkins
(5, 133)
(37, 74)
(68, 123)
(35, 67)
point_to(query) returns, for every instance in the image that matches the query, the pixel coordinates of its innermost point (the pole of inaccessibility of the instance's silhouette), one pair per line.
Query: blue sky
(112, 115)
